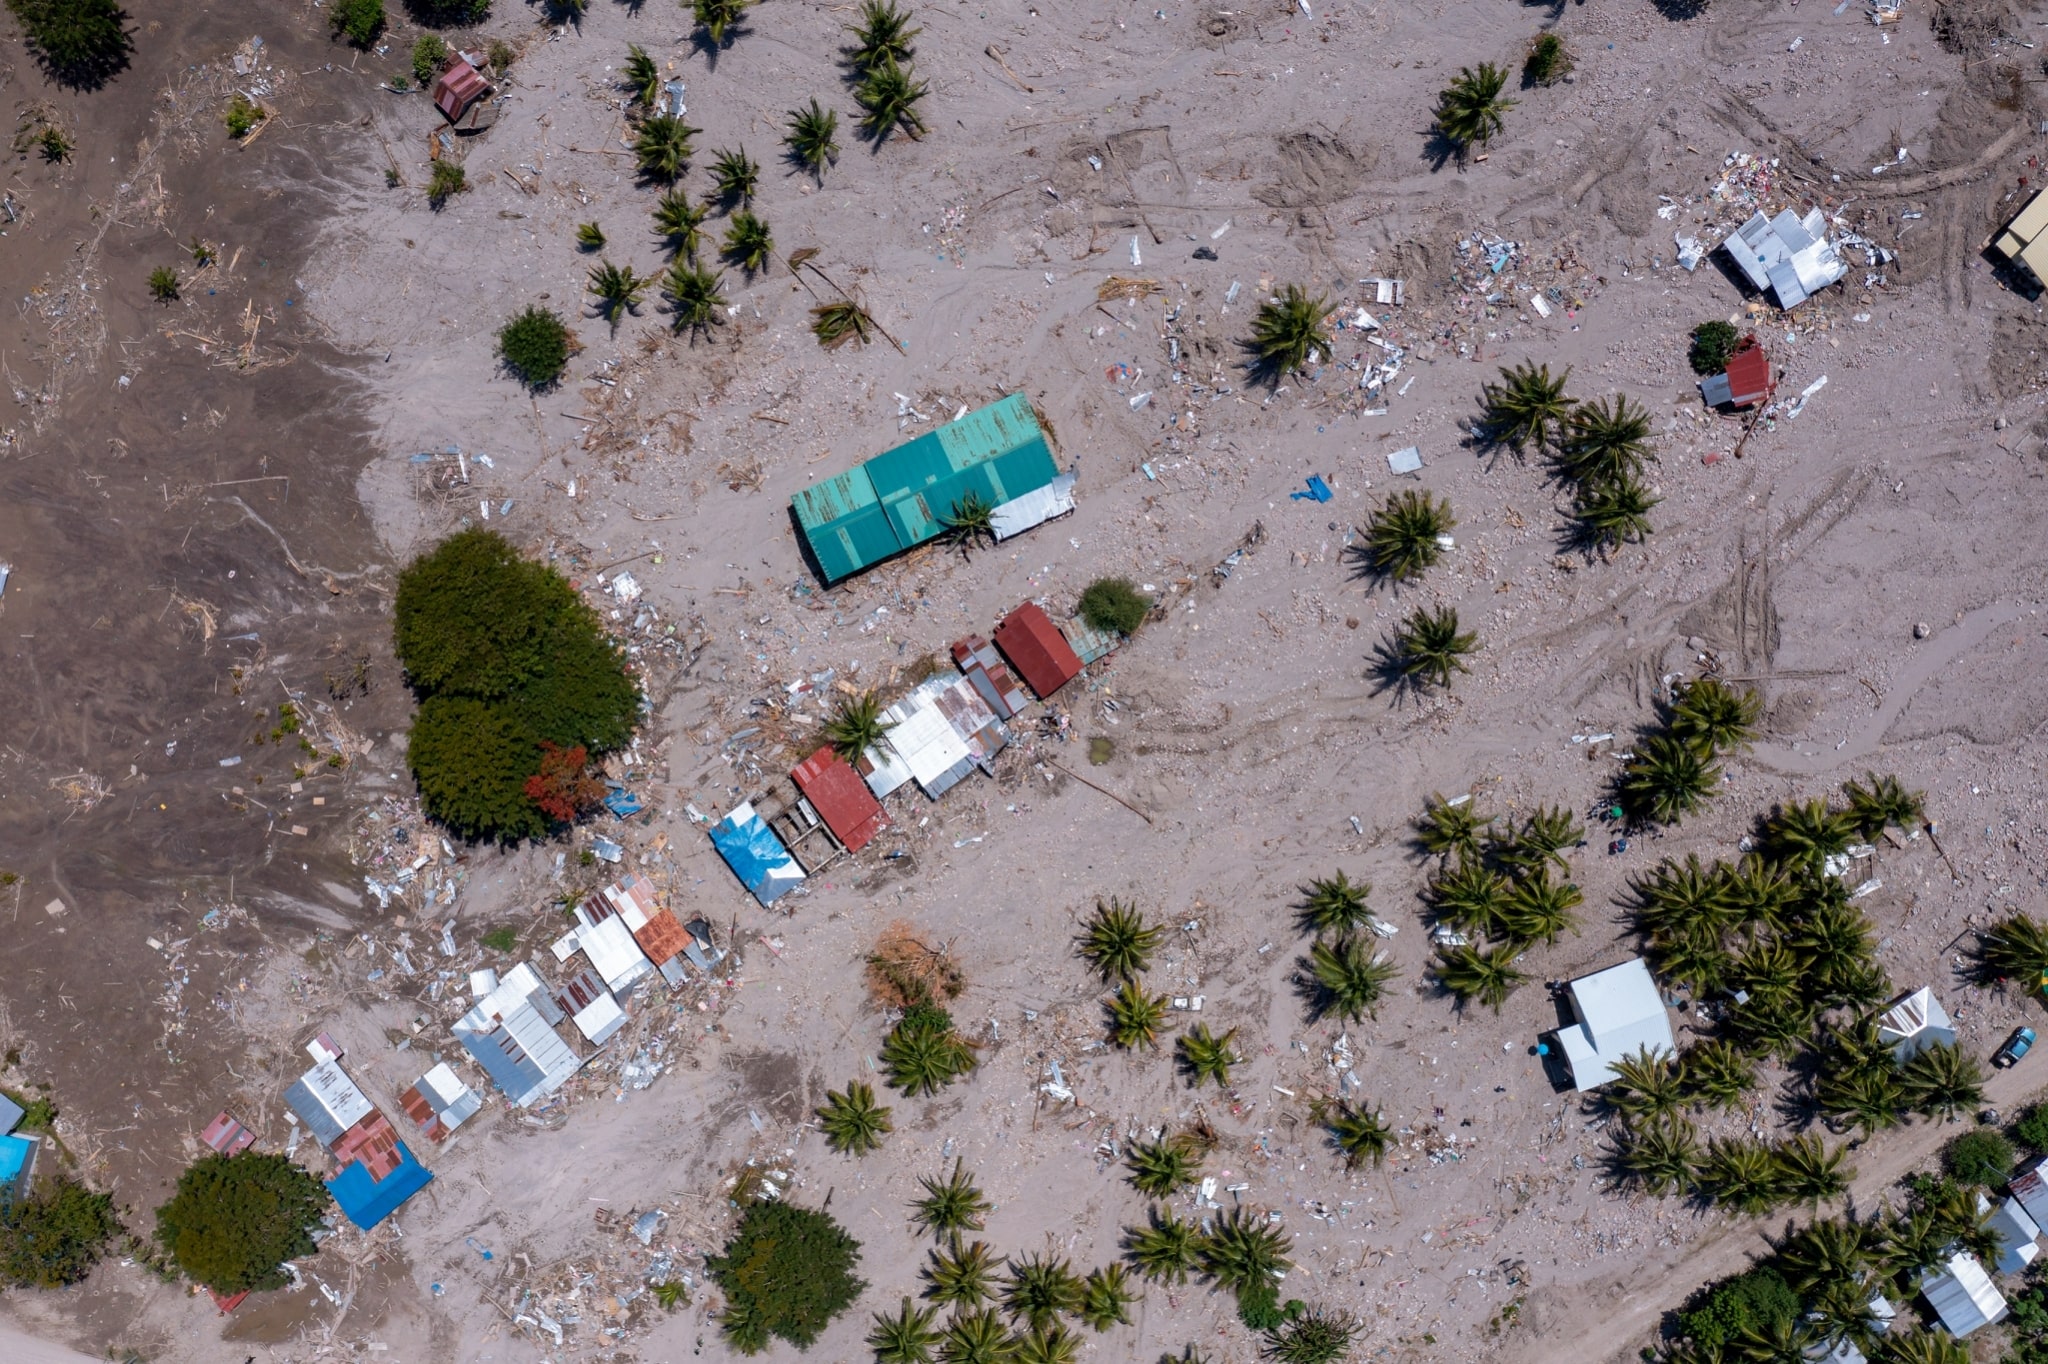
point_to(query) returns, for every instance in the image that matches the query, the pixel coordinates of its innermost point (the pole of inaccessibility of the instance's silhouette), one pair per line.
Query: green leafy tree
(1039, 1289)
(1713, 343)
(1487, 975)
(950, 1205)
(444, 182)
(1205, 1056)
(429, 54)
(53, 1236)
(1876, 802)
(735, 176)
(853, 1123)
(720, 20)
(786, 1272)
(2032, 1127)
(1715, 1317)
(961, 1275)
(883, 33)
(1548, 62)
(1470, 109)
(1113, 604)
(888, 95)
(1159, 1169)
(813, 138)
(1428, 648)
(234, 1221)
(747, 242)
(1982, 1157)
(1715, 717)
(1666, 780)
(1605, 442)
(1106, 1297)
(1118, 942)
(1135, 1017)
(163, 284)
(1347, 978)
(1402, 540)
(1528, 407)
(359, 21)
(534, 345)
(662, 148)
(905, 1338)
(81, 43)
(1165, 1249)
(1334, 904)
(857, 725)
(1288, 334)
(1360, 1135)
(472, 760)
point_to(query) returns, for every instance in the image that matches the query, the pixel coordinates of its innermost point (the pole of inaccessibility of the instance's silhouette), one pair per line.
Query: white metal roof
(1034, 508)
(599, 1019)
(926, 742)
(2018, 1236)
(610, 946)
(1788, 255)
(1962, 1295)
(453, 1100)
(1914, 1022)
(633, 899)
(1620, 1013)
(520, 1011)
(328, 1101)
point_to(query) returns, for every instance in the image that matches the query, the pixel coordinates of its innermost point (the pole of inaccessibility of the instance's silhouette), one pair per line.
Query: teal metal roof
(901, 497)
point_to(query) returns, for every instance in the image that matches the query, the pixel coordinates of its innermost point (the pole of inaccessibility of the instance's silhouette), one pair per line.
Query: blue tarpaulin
(369, 1201)
(755, 854)
(622, 803)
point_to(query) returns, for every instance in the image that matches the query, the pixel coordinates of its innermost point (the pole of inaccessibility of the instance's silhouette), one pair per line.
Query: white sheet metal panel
(610, 946)
(1962, 1295)
(1620, 1014)
(927, 743)
(1034, 508)
(598, 1020)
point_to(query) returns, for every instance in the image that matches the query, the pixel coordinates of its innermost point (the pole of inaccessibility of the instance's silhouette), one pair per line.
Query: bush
(80, 42)
(1981, 1157)
(449, 13)
(2032, 1128)
(1548, 61)
(1114, 604)
(446, 181)
(56, 1235)
(1712, 344)
(242, 117)
(37, 1115)
(235, 1220)
(787, 1271)
(1758, 1300)
(535, 347)
(428, 56)
(359, 21)
(163, 284)
(501, 939)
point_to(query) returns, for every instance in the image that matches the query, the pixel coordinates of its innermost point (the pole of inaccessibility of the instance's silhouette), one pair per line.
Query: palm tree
(1242, 1252)
(888, 95)
(718, 18)
(1834, 941)
(1106, 1297)
(734, 175)
(1903, 1346)
(1401, 540)
(2014, 948)
(1943, 1079)
(1527, 407)
(1878, 801)
(1860, 1097)
(1760, 890)
(696, 301)
(1360, 1135)
(1206, 1056)
(1539, 909)
(1119, 942)
(616, 289)
(1333, 904)
(1040, 1288)
(1739, 1173)
(1782, 1339)
(857, 725)
(1469, 110)
(1711, 715)
(1166, 1249)
(1471, 897)
(883, 32)
(1613, 512)
(962, 1275)
(1666, 780)
(1646, 1085)
(1718, 1074)
(922, 1054)
(1315, 1336)
(852, 1121)
(1428, 648)
(662, 147)
(1833, 1250)
(747, 242)
(1449, 828)
(906, 1338)
(1159, 1169)
(1770, 1024)
(1956, 1210)
(950, 1205)
(1658, 1155)
(1543, 838)
(971, 521)
(841, 321)
(1053, 1344)
(976, 1337)
(1768, 970)
(1288, 333)
(1678, 897)
(813, 138)
(1488, 976)
(1808, 1172)
(1134, 1016)
(1349, 977)
(1604, 441)
(640, 76)
(1913, 1244)
(1694, 956)
(677, 222)
(589, 237)
(1804, 833)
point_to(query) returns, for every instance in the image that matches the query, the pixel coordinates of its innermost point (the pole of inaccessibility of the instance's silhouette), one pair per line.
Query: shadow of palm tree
(1440, 151)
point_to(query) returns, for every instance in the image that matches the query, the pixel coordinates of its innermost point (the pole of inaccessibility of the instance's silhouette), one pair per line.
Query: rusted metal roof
(841, 798)
(661, 937)
(1037, 649)
(226, 1135)
(458, 87)
(371, 1141)
(984, 667)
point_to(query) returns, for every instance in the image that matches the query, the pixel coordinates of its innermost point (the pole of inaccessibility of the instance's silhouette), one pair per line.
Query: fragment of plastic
(1317, 490)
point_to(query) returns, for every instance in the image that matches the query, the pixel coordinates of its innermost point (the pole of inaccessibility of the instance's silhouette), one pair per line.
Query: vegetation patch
(79, 42)
(235, 1220)
(786, 1272)
(55, 1235)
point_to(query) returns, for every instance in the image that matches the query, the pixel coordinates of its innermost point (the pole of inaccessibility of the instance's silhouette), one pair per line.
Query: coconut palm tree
(906, 1338)
(1166, 1249)
(976, 1338)
(1401, 540)
(1243, 1252)
(883, 31)
(1527, 407)
(1955, 1210)
(1718, 1074)
(696, 302)
(677, 222)
(718, 18)
(1106, 1297)
(963, 1275)
(1694, 956)
(1118, 941)
(1834, 941)
(1806, 832)
(1471, 897)
(1040, 1287)
(1542, 839)
(888, 95)
(1876, 802)
(616, 290)
(971, 520)
(589, 237)
(1288, 334)
(1135, 1017)
(1666, 780)
(1679, 897)
(1488, 976)
(1713, 716)
(1159, 1169)
(1428, 648)
(1604, 441)
(1943, 1079)
(1860, 1097)
(1808, 1172)
(1613, 512)
(922, 1054)
(1903, 1346)
(852, 1121)
(1539, 909)
(1832, 1250)
(747, 242)
(857, 725)
(2014, 948)
(662, 147)
(1658, 1155)
(1912, 1244)
(734, 175)
(1334, 904)
(1782, 1339)
(1205, 1056)
(1469, 110)
(1450, 828)
(1053, 1344)
(640, 76)
(1768, 970)
(841, 321)
(950, 1205)
(813, 138)
(1645, 1086)
(1348, 977)
(1761, 891)
(1360, 1135)
(1739, 1173)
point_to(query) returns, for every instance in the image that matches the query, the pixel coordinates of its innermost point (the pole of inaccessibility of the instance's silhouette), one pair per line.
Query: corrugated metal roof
(1034, 508)
(841, 496)
(979, 662)
(1620, 1013)
(458, 87)
(1088, 642)
(846, 805)
(929, 746)
(226, 1135)
(11, 1113)
(511, 1038)
(1037, 650)
(328, 1102)
(634, 899)
(661, 937)
(1962, 1295)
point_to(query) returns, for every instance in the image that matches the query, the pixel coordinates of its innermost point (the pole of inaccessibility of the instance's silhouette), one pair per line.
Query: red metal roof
(661, 937)
(1749, 373)
(373, 1142)
(228, 1304)
(842, 799)
(226, 1135)
(1037, 650)
(458, 87)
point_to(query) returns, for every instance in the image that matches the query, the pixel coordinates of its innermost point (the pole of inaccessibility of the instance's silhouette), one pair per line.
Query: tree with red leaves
(564, 788)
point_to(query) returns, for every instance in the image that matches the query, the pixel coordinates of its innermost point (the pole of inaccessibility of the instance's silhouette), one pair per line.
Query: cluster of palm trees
(1119, 944)
(1674, 768)
(922, 1054)
(1862, 1083)
(1344, 974)
(1240, 1253)
(1598, 449)
(1502, 890)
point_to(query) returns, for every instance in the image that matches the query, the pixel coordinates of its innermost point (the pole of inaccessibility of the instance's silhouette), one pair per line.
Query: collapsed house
(1788, 255)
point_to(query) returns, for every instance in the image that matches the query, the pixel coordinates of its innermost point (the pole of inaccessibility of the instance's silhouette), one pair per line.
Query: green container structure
(901, 498)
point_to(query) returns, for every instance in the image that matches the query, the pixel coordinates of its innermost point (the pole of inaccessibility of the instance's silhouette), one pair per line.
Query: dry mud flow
(204, 504)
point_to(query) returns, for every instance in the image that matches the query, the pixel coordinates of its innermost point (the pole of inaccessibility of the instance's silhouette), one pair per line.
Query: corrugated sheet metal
(460, 86)
(368, 1200)
(328, 1102)
(823, 503)
(662, 937)
(846, 805)
(1005, 425)
(978, 660)
(226, 1135)
(1034, 508)
(1088, 642)
(1037, 650)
